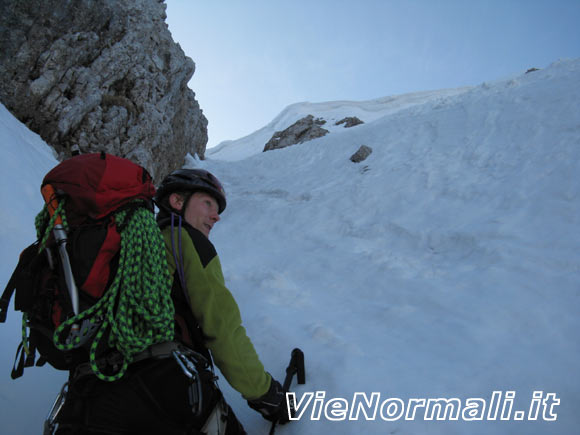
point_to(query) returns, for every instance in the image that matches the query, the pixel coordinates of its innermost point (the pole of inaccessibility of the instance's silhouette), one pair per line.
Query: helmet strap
(186, 201)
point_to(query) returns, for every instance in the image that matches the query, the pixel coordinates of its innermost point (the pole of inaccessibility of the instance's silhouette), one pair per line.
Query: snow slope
(25, 159)
(332, 112)
(445, 265)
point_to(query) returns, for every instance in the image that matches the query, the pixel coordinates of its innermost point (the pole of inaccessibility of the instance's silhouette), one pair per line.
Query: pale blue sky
(255, 57)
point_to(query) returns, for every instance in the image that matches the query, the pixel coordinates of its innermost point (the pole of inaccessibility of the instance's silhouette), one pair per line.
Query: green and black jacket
(216, 311)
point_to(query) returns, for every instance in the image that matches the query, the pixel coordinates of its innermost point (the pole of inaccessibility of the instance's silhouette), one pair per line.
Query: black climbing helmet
(193, 180)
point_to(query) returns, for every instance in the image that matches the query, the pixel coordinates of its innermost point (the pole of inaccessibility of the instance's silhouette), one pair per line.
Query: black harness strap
(7, 296)
(26, 257)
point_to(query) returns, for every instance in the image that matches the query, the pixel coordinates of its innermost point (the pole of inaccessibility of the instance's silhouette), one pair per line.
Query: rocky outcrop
(349, 121)
(362, 153)
(303, 130)
(103, 75)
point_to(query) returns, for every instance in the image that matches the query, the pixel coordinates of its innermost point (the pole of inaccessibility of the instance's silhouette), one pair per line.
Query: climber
(190, 203)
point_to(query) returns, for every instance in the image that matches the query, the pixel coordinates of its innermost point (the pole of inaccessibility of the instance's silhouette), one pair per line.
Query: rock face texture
(103, 75)
(303, 130)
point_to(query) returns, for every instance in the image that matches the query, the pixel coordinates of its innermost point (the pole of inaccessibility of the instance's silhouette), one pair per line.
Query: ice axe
(296, 366)
(60, 237)
(79, 334)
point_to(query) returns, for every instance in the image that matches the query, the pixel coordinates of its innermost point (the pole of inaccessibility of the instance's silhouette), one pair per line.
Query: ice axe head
(50, 198)
(298, 356)
(296, 366)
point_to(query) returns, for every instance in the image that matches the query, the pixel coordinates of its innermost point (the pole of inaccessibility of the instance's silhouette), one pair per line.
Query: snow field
(445, 265)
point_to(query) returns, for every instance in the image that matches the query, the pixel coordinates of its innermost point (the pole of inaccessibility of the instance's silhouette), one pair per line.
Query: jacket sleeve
(218, 314)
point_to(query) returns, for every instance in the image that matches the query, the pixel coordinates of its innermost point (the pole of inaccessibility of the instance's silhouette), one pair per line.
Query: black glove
(272, 405)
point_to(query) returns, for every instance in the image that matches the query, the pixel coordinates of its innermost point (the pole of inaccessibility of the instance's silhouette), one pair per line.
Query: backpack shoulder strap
(7, 296)
(26, 256)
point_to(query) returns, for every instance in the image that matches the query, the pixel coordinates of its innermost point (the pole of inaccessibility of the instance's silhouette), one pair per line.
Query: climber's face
(201, 210)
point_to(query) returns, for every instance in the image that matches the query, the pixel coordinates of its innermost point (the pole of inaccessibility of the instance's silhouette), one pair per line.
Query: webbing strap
(179, 258)
(7, 296)
(11, 286)
(157, 351)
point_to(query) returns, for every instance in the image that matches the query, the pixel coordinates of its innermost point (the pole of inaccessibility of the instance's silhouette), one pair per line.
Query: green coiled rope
(137, 310)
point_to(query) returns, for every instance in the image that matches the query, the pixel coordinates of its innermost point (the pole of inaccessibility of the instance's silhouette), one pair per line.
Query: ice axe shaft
(60, 237)
(296, 367)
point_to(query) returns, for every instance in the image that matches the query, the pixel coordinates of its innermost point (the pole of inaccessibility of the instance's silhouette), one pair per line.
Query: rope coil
(136, 311)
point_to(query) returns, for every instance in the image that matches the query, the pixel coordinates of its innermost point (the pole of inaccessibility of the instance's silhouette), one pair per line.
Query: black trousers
(152, 398)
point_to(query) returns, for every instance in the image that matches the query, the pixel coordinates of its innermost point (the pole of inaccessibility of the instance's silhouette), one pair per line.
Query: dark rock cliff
(103, 75)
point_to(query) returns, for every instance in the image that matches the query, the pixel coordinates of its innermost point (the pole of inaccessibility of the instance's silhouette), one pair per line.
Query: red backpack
(81, 280)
